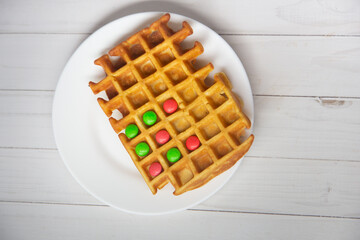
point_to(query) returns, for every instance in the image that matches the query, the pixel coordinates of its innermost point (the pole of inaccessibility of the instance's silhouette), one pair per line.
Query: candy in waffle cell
(170, 106)
(132, 146)
(192, 143)
(173, 154)
(131, 131)
(153, 168)
(146, 117)
(184, 139)
(160, 136)
(142, 149)
(149, 118)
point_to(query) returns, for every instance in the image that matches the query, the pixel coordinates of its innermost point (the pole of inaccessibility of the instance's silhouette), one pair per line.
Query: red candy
(192, 143)
(170, 106)
(155, 169)
(162, 136)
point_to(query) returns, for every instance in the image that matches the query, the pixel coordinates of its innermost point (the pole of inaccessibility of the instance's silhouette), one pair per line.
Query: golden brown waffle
(153, 68)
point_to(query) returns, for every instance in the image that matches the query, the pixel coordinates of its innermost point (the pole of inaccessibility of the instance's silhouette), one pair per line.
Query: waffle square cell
(149, 171)
(145, 68)
(164, 57)
(137, 98)
(176, 74)
(183, 175)
(228, 115)
(118, 62)
(221, 147)
(133, 149)
(238, 134)
(126, 80)
(217, 99)
(205, 83)
(154, 38)
(135, 50)
(180, 124)
(202, 160)
(185, 137)
(199, 112)
(209, 130)
(156, 86)
(153, 136)
(123, 109)
(188, 94)
(111, 92)
(164, 154)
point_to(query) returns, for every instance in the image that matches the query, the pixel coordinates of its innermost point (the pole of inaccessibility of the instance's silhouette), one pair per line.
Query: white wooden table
(301, 179)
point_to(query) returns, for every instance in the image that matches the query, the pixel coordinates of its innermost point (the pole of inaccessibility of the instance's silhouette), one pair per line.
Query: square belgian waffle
(152, 68)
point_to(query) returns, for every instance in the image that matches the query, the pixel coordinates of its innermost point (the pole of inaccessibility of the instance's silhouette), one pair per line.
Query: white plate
(87, 143)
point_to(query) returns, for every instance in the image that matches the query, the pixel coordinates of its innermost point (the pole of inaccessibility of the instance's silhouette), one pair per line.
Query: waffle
(151, 68)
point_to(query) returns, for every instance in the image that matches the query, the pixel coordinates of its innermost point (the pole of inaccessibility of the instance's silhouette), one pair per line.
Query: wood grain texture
(281, 186)
(303, 66)
(300, 180)
(33, 221)
(312, 128)
(245, 17)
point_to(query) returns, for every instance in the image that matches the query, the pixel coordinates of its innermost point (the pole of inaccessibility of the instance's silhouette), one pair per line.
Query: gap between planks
(191, 209)
(250, 156)
(221, 34)
(255, 95)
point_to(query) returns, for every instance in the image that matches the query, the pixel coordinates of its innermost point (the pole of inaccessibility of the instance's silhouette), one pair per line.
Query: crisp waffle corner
(152, 67)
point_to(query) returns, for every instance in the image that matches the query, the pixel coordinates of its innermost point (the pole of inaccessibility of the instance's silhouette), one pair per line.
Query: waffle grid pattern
(153, 68)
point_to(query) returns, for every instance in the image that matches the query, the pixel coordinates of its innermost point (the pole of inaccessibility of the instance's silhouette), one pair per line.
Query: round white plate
(87, 143)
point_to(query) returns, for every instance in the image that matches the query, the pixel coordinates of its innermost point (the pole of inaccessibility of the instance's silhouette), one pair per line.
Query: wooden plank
(305, 187)
(34, 61)
(309, 187)
(307, 128)
(25, 119)
(33, 221)
(305, 66)
(38, 176)
(246, 17)
(284, 127)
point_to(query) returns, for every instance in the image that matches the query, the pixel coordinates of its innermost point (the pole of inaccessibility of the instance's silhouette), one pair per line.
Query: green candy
(131, 131)
(173, 155)
(142, 149)
(149, 118)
